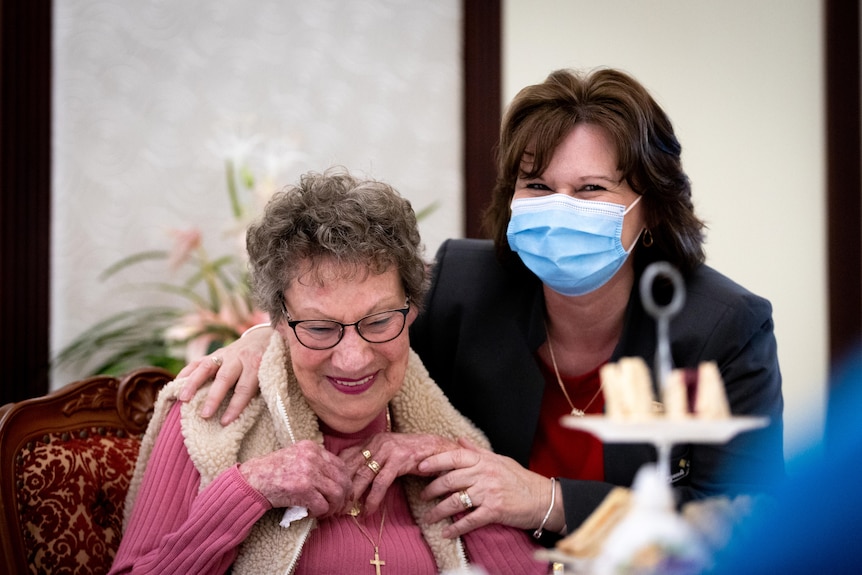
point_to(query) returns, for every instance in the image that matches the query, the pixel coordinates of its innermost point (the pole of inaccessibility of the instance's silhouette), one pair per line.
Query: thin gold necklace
(376, 561)
(575, 411)
(356, 511)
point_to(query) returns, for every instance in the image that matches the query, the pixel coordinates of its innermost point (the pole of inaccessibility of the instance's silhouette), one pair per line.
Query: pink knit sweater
(175, 529)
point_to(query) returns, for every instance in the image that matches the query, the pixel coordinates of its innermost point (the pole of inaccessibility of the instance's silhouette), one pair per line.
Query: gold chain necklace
(575, 411)
(355, 510)
(376, 561)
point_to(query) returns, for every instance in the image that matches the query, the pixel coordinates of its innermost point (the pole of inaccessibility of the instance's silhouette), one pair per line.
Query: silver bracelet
(538, 532)
(254, 327)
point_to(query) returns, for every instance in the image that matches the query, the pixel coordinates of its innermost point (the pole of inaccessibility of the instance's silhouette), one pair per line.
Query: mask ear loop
(627, 210)
(632, 205)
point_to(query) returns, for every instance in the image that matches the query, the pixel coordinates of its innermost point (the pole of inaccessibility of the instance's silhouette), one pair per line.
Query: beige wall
(743, 83)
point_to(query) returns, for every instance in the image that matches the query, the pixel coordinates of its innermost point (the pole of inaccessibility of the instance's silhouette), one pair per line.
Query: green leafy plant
(215, 305)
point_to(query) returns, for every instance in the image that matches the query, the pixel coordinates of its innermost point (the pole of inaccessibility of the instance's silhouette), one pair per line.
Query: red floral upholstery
(71, 499)
(65, 464)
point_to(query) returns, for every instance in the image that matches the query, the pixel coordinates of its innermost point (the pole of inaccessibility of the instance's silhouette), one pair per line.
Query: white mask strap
(637, 237)
(631, 205)
(634, 243)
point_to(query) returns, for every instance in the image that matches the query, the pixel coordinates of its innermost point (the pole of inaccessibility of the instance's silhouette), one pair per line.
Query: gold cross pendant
(377, 562)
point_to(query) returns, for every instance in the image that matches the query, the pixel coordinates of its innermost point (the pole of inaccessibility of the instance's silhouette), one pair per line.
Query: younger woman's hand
(234, 366)
(500, 490)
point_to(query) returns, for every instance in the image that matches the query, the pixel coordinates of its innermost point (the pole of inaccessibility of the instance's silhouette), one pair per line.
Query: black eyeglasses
(326, 333)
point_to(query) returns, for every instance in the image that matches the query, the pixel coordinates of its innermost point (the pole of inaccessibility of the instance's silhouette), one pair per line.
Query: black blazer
(483, 323)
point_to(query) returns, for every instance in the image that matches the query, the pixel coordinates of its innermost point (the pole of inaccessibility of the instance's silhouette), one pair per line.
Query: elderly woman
(337, 262)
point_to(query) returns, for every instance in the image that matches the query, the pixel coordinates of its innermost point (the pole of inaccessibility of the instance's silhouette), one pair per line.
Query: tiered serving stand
(661, 433)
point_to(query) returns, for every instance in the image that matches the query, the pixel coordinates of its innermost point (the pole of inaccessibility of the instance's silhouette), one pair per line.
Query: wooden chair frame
(124, 404)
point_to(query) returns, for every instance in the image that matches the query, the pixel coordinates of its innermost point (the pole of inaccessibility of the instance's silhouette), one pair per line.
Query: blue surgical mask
(574, 246)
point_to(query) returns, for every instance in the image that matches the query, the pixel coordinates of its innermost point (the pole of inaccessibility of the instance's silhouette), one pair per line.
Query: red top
(557, 450)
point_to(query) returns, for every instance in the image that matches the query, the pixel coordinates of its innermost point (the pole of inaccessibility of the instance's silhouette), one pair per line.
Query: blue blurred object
(815, 523)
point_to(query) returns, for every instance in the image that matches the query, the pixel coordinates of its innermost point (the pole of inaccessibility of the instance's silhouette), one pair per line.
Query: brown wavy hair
(648, 152)
(334, 217)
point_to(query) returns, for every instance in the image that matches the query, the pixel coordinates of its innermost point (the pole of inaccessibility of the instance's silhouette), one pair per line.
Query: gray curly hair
(334, 217)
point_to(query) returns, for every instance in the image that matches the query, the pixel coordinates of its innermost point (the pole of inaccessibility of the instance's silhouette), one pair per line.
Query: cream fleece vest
(279, 416)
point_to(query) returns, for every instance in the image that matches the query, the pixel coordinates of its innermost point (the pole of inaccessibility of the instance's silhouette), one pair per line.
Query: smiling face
(349, 384)
(584, 166)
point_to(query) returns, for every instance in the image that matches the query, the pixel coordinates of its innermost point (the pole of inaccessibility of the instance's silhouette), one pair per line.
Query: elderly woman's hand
(396, 454)
(303, 474)
(234, 366)
(499, 490)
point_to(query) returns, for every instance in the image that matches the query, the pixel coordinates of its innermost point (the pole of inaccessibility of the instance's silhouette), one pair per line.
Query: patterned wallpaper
(151, 97)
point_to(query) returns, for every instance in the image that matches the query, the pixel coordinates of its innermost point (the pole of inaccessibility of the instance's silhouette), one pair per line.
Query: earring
(647, 238)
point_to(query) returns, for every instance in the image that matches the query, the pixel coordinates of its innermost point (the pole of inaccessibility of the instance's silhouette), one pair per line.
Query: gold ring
(373, 466)
(366, 454)
(355, 509)
(465, 499)
(216, 360)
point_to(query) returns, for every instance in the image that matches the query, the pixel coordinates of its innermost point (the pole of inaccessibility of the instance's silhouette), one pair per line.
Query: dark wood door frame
(25, 197)
(843, 178)
(482, 67)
